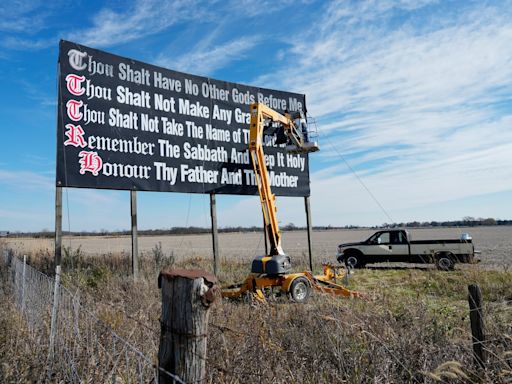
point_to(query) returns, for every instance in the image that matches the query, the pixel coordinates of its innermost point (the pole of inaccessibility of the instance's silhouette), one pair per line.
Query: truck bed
(448, 241)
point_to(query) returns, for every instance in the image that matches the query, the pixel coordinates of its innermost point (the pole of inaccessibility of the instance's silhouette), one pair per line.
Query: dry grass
(21, 359)
(414, 326)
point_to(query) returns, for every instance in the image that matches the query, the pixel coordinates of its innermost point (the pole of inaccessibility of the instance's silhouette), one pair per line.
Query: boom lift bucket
(301, 137)
(307, 147)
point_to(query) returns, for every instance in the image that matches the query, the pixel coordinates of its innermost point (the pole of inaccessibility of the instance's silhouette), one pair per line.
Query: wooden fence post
(477, 325)
(23, 284)
(55, 306)
(186, 299)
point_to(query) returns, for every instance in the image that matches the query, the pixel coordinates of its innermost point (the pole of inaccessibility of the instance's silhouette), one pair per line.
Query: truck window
(373, 238)
(383, 238)
(398, 238)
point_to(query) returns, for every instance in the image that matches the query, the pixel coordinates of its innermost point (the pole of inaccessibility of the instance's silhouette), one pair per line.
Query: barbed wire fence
(79, 346)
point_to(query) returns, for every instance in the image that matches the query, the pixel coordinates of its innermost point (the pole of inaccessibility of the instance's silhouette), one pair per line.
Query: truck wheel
(300, 289)
(354, 260)
(444, 262)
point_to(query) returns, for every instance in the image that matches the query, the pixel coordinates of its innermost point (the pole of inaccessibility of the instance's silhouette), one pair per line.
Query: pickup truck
(396, 246)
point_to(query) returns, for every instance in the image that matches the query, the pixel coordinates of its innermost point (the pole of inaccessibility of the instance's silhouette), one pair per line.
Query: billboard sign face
(124, 124)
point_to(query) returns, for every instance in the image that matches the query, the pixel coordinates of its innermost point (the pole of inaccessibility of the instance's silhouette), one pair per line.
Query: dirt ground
(495, 243)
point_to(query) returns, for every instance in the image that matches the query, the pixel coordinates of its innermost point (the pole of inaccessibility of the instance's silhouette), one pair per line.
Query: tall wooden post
(310, 230)
(477, 325)
(58, 225)
(186, 299)
(215, 234)
(135, 243)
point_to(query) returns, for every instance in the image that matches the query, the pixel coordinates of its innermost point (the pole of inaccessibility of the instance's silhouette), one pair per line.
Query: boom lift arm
(278, 262)
(272, 270)
(259, 114)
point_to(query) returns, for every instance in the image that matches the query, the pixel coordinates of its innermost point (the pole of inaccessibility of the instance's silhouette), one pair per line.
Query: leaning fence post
(186, 299)
(24, 274)
(54, 311)
(76, 310)
(477, 325)
(11, 266)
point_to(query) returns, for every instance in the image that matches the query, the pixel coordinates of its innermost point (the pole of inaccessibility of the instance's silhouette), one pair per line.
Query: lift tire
(445, 262)
(300, 290)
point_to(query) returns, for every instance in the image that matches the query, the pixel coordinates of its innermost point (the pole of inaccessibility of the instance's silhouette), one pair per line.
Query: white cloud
(82, 208)
(37, 93)
(25, 179)
(23, 16)
(17, 215)
(420, 107)
(351, 13)
(22, 22)
(143, 18)
(203, 60)
(22, 44)
(251, 8)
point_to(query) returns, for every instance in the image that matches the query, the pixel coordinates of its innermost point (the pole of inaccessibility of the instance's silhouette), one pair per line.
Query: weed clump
(160, 259)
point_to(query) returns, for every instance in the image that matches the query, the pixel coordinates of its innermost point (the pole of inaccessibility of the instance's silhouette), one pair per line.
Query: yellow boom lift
(273, 270)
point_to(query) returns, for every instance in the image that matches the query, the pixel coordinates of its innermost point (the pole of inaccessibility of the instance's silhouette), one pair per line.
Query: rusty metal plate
(188, 274)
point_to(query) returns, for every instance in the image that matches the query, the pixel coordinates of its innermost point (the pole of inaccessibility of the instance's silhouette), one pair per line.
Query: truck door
(378, 248)
(388, 246)
(398, 246)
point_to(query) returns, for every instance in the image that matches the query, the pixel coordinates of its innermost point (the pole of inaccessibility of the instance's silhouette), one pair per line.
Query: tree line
(465, 222)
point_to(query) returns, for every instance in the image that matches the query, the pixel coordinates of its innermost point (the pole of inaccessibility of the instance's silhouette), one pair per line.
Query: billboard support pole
(135, 244)
(215, 235)
(310, 230)
(58, 225)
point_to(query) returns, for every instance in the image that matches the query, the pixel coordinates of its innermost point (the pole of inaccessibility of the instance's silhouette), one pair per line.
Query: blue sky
(414, 95)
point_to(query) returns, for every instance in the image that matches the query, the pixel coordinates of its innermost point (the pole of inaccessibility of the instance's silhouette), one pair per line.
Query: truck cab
(386, 245)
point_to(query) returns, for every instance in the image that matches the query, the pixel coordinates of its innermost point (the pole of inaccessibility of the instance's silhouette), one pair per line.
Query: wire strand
(374, 198)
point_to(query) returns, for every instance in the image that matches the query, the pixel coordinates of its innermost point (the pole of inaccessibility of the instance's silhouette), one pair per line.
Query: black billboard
(124, 124)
